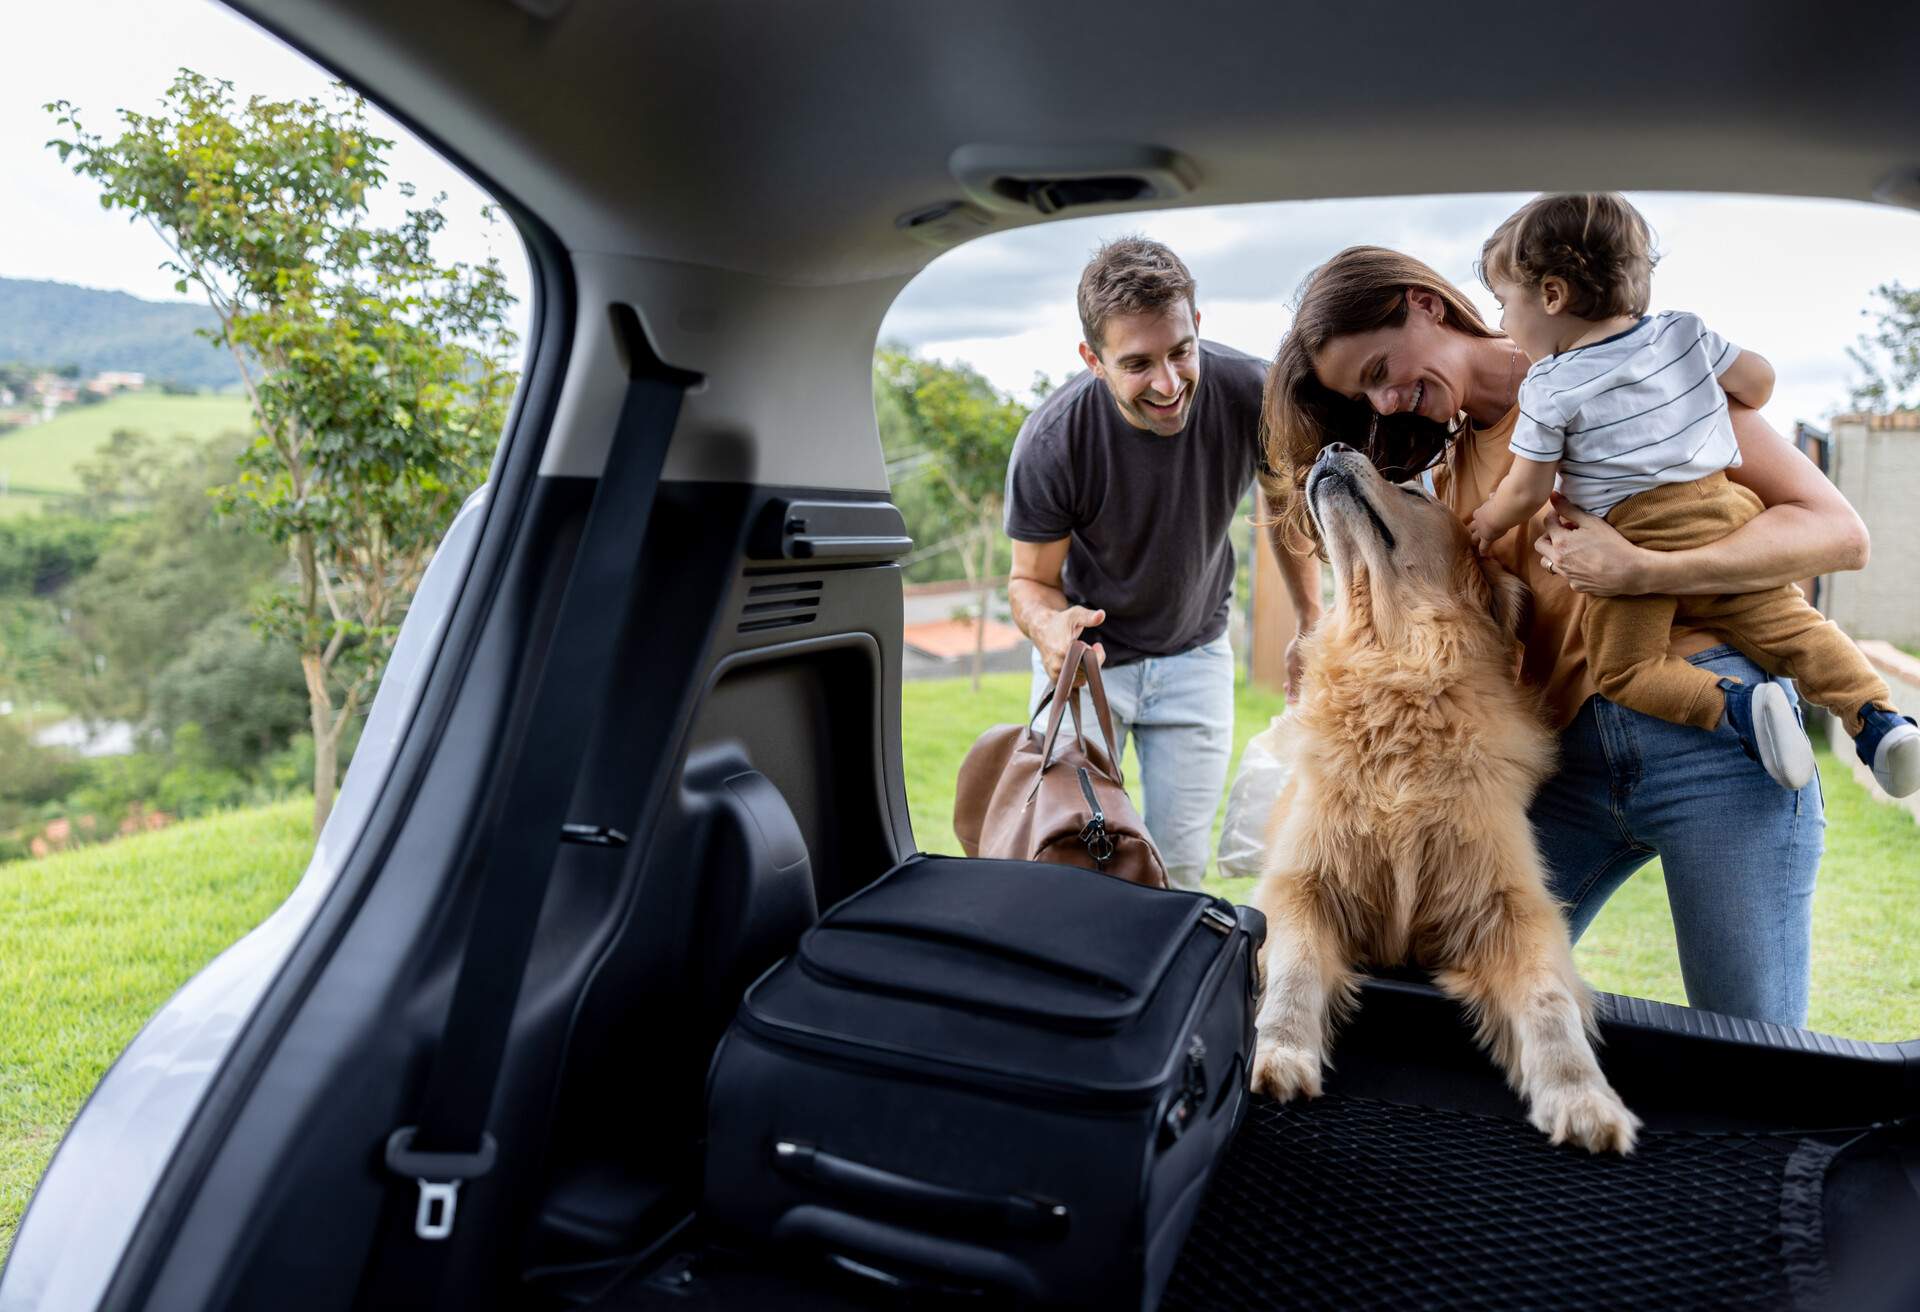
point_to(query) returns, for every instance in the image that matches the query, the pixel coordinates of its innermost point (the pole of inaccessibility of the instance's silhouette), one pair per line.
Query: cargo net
(1347, 1202)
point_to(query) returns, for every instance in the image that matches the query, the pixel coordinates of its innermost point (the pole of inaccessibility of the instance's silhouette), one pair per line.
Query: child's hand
(1482, 528)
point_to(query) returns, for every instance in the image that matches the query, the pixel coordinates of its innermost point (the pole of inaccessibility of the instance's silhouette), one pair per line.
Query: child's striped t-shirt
(1635, 411)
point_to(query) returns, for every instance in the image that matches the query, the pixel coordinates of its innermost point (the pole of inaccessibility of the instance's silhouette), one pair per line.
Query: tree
(965, 428)
(378, 377)
(171, 565)
(1889, 357)
(239, 690)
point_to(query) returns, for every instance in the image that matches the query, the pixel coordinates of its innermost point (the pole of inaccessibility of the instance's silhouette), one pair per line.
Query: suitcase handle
(858, 1181)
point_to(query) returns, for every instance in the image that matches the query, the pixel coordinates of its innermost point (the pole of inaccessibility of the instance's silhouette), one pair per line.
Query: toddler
(1630, 412)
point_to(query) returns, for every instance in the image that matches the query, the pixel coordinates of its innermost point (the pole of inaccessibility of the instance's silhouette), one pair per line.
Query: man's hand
(1056, 633)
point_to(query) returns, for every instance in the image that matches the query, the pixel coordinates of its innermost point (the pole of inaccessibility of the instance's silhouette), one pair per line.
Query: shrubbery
(65, 801)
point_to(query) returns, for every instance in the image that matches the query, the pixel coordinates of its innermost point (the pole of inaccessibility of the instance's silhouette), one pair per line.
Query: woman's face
(1420, 366)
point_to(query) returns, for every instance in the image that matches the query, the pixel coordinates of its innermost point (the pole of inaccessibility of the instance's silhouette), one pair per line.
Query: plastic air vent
(781, 605)
(1050, 197)
(1050, 179)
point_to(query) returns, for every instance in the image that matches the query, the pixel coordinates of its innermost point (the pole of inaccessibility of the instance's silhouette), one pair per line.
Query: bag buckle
(439, 1176)
(1094, 833)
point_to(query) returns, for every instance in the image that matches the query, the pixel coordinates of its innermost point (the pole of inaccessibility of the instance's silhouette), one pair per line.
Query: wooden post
(1273, 620)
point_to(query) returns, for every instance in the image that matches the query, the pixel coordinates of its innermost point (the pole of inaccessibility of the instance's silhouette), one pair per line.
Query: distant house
(109, 381)
(53, 390)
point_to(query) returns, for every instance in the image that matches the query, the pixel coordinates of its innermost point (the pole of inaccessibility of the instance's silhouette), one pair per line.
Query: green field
(92, 942)
(41, 460)
(1866, 912)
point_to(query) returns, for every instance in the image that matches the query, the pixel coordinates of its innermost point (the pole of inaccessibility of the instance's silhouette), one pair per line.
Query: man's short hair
(1130, 275)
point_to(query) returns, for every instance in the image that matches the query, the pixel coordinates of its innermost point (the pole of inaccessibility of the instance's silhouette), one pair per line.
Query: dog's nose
(1335, 448)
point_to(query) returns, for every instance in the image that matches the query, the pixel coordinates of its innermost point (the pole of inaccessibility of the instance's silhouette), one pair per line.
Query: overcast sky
(1787, 278)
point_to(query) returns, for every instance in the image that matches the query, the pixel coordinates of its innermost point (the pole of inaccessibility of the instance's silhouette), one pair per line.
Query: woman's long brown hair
(1359, 290)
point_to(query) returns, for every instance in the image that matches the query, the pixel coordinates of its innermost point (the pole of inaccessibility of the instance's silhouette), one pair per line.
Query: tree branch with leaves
(966, 427)
(377, 376)
(1888, 358)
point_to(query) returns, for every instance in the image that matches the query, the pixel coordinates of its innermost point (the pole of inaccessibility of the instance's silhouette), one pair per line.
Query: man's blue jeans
(1740, 852)
(1179, 711)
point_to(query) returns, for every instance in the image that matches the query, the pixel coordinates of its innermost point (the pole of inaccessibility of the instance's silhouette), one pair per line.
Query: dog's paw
(1285, 1073)
(1589, 1115)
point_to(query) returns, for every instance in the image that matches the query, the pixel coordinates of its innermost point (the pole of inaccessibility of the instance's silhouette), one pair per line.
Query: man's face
(1151, 366)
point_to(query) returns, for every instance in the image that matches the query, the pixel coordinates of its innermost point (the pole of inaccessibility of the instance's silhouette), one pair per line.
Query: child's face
(1525, 318)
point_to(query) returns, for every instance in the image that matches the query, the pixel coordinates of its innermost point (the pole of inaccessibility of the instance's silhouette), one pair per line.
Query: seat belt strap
(449, 1144)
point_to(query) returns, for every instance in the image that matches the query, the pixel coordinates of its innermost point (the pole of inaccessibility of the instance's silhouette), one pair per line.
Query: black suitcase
(993, 1077)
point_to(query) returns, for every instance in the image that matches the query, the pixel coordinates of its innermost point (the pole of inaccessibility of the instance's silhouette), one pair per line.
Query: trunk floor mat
(1350, 1202)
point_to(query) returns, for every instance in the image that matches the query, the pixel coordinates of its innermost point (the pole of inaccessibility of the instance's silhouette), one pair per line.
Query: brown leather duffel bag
(1017, 800)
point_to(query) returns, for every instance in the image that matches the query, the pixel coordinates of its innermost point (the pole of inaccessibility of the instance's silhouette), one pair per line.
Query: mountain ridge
(57, 323)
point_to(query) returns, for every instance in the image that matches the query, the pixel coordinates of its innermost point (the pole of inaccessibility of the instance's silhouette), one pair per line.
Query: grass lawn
(92, 942)
(1866, 922)
(42, 458)
(1866, 914)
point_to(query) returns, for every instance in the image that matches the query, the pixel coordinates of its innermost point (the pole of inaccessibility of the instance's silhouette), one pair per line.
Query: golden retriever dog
(1402, 836)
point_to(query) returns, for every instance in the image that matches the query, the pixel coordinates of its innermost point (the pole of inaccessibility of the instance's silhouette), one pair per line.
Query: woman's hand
(1590, 554)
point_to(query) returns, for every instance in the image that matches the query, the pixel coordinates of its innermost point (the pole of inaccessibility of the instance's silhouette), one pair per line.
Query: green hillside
(38, 461)
(55, 323)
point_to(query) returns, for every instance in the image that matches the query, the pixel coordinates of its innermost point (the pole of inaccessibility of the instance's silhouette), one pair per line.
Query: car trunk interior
(1774, 1170)
(748, 774)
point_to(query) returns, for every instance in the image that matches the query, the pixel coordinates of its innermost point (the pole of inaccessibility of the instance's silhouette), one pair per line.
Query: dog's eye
(1413, 492)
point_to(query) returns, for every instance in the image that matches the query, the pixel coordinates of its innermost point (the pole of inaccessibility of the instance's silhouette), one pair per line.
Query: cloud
(1785, 277)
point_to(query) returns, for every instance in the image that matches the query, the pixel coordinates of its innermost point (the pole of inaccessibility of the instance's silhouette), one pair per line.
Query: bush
(182, 782)
(40, 553)
(243, 691)
(31, 775)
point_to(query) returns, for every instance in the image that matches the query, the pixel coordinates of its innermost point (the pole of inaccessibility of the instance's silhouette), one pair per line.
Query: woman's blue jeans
(1740, 852)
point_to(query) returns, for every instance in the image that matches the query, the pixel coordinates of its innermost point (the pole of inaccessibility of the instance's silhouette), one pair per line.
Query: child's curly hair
(1595, 242)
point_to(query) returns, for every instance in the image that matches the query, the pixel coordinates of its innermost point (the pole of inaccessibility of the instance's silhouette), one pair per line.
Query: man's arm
(1041, 610)
(1300, 571)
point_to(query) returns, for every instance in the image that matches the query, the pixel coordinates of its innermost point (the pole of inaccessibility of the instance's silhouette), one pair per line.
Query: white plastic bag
(1263, 773)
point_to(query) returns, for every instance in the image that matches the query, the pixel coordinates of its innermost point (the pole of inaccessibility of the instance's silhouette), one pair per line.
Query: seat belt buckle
(439, 1176)
(439, 1200)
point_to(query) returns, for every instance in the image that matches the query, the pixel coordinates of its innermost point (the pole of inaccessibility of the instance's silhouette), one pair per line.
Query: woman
(1388, 356)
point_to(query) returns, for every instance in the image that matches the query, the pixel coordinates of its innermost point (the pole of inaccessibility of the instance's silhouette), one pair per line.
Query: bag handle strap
(1063, 694)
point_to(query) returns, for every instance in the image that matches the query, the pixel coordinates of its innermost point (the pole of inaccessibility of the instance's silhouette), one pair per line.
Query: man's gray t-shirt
(1150, 517)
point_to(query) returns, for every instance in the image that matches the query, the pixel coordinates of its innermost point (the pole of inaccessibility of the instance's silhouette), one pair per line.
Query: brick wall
(1875, 462)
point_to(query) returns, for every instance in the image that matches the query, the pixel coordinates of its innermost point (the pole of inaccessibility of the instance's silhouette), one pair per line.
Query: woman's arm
(1807, 528)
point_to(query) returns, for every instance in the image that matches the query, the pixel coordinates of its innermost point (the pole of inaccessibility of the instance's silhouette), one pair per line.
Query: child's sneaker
(1770, 731)
(1890, 745)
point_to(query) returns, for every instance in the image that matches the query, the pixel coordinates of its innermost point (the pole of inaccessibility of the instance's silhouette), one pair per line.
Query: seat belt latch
(439, 1176)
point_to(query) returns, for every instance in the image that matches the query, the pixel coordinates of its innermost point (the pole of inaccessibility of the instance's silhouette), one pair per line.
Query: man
(1121, 499)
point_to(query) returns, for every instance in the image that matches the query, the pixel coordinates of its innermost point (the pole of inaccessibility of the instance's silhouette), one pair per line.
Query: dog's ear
(1509, 600)
(1512, 604)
